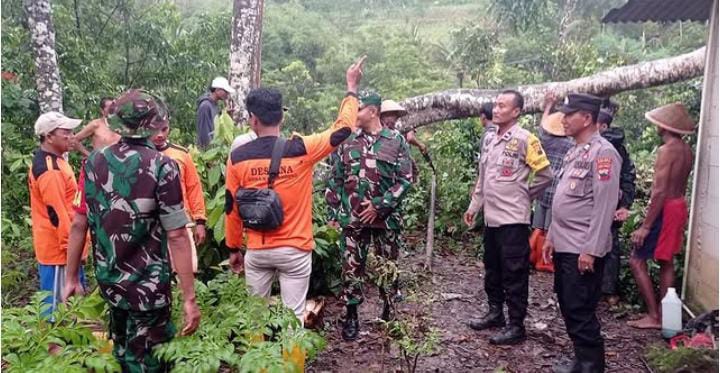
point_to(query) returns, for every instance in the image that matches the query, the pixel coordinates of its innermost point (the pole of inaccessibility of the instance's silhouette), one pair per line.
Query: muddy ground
(455, 286)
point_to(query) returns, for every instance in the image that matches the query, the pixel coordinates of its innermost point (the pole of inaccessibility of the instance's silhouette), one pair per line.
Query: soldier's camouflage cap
(138, 114)
(369, 98)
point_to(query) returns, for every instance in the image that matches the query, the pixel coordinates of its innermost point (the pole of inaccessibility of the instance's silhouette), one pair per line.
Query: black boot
(493, 318)
(510, 335)
(351, 326)
(591, 359)
(568, 367)
(387, 313)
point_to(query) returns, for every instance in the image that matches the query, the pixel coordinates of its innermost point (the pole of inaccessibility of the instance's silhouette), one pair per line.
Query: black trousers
(611, 273)
(507, 265)
(579, 295)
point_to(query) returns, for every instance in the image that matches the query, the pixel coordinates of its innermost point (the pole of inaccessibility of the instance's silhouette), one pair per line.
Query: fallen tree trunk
(464, 103)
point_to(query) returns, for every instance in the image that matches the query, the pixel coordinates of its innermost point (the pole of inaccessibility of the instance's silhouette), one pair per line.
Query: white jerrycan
(671, 314)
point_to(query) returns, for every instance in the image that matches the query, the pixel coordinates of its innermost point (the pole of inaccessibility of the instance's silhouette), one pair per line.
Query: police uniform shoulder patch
(604, 167)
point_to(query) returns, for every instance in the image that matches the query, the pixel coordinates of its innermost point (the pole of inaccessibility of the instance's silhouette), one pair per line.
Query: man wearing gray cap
(579, 234)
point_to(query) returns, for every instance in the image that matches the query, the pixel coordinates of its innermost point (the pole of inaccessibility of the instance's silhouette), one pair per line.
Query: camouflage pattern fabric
(368, 97)
(134, 334)
(133, 197)
(375, 168)
(137, 114)
(355, 245)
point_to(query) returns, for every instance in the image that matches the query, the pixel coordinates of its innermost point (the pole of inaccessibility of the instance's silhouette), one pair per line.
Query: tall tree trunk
(47, 72)
(245, 51)
(567, 19)
(464, 103)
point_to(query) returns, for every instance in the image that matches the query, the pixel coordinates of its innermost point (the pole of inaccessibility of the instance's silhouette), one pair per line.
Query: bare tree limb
(464, 103)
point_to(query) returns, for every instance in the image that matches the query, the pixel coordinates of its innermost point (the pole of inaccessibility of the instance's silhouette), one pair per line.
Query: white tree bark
(464, 103)
(47, 73)
(245, 51)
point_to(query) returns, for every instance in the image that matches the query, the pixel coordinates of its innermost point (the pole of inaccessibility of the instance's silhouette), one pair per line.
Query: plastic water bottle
(671, 314)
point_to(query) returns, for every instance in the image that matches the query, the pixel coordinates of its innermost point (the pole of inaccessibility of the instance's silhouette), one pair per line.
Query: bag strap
(277, 153)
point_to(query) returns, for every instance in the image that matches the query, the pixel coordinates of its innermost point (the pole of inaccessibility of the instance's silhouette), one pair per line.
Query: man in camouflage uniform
(135, 211)
(372, 175)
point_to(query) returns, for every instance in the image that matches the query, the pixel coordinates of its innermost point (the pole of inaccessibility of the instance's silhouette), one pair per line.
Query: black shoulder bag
(261, 209)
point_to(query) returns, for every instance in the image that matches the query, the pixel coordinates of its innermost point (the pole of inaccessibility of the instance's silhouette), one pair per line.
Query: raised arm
(548, 104)
(320, 145)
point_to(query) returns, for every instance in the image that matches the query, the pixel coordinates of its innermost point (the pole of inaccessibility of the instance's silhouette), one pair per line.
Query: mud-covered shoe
(512, 334)
(351, 329)
(492, 319)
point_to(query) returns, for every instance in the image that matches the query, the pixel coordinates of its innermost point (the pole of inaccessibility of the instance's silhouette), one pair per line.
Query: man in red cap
(661, 233)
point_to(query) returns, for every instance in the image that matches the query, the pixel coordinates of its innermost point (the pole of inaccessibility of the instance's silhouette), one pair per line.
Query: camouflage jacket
(133, 197)
(373, 168)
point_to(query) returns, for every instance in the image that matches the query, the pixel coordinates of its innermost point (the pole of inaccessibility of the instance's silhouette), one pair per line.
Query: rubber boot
(591, 359)
(568, 367)
(493, 318)
(387, 313)
(351, 326)
(512, 334)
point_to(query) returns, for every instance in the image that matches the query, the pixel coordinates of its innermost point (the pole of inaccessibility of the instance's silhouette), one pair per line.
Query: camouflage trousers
(135, 333)
(378, 265)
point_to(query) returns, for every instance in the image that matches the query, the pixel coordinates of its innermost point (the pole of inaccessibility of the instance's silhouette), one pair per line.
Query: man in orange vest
(52, 186)
(193, 198)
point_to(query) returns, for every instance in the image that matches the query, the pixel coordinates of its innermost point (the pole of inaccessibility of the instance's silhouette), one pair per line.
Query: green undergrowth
(238, 333)
(663, 360)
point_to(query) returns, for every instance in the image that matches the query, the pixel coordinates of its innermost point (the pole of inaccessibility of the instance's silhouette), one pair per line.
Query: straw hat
(552, 124)
(672, 117)
(389, 106)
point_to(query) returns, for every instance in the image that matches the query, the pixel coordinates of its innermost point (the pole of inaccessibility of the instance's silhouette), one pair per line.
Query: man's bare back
(678, 156)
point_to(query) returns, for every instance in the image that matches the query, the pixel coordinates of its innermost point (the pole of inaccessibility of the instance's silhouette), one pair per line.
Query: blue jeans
(52, 279)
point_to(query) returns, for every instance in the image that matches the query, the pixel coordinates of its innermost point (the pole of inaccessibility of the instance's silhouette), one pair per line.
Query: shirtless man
(661, 234)
(102, 135)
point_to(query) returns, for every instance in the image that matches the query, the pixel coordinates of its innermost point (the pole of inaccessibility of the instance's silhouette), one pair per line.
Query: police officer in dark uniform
(579, 235)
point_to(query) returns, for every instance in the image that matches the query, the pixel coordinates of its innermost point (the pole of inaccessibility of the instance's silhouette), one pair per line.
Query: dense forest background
(175, 48)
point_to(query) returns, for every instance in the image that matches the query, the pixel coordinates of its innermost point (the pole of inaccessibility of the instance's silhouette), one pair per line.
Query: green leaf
(214, 176)
(216, 215)
(219, 230)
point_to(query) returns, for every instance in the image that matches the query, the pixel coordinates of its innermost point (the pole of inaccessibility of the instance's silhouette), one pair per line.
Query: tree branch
(99, 34)
(464, 103)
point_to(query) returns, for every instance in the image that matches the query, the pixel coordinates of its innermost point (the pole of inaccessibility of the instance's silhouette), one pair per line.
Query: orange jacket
(52, 189)
(248, 167)
(191, 186)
